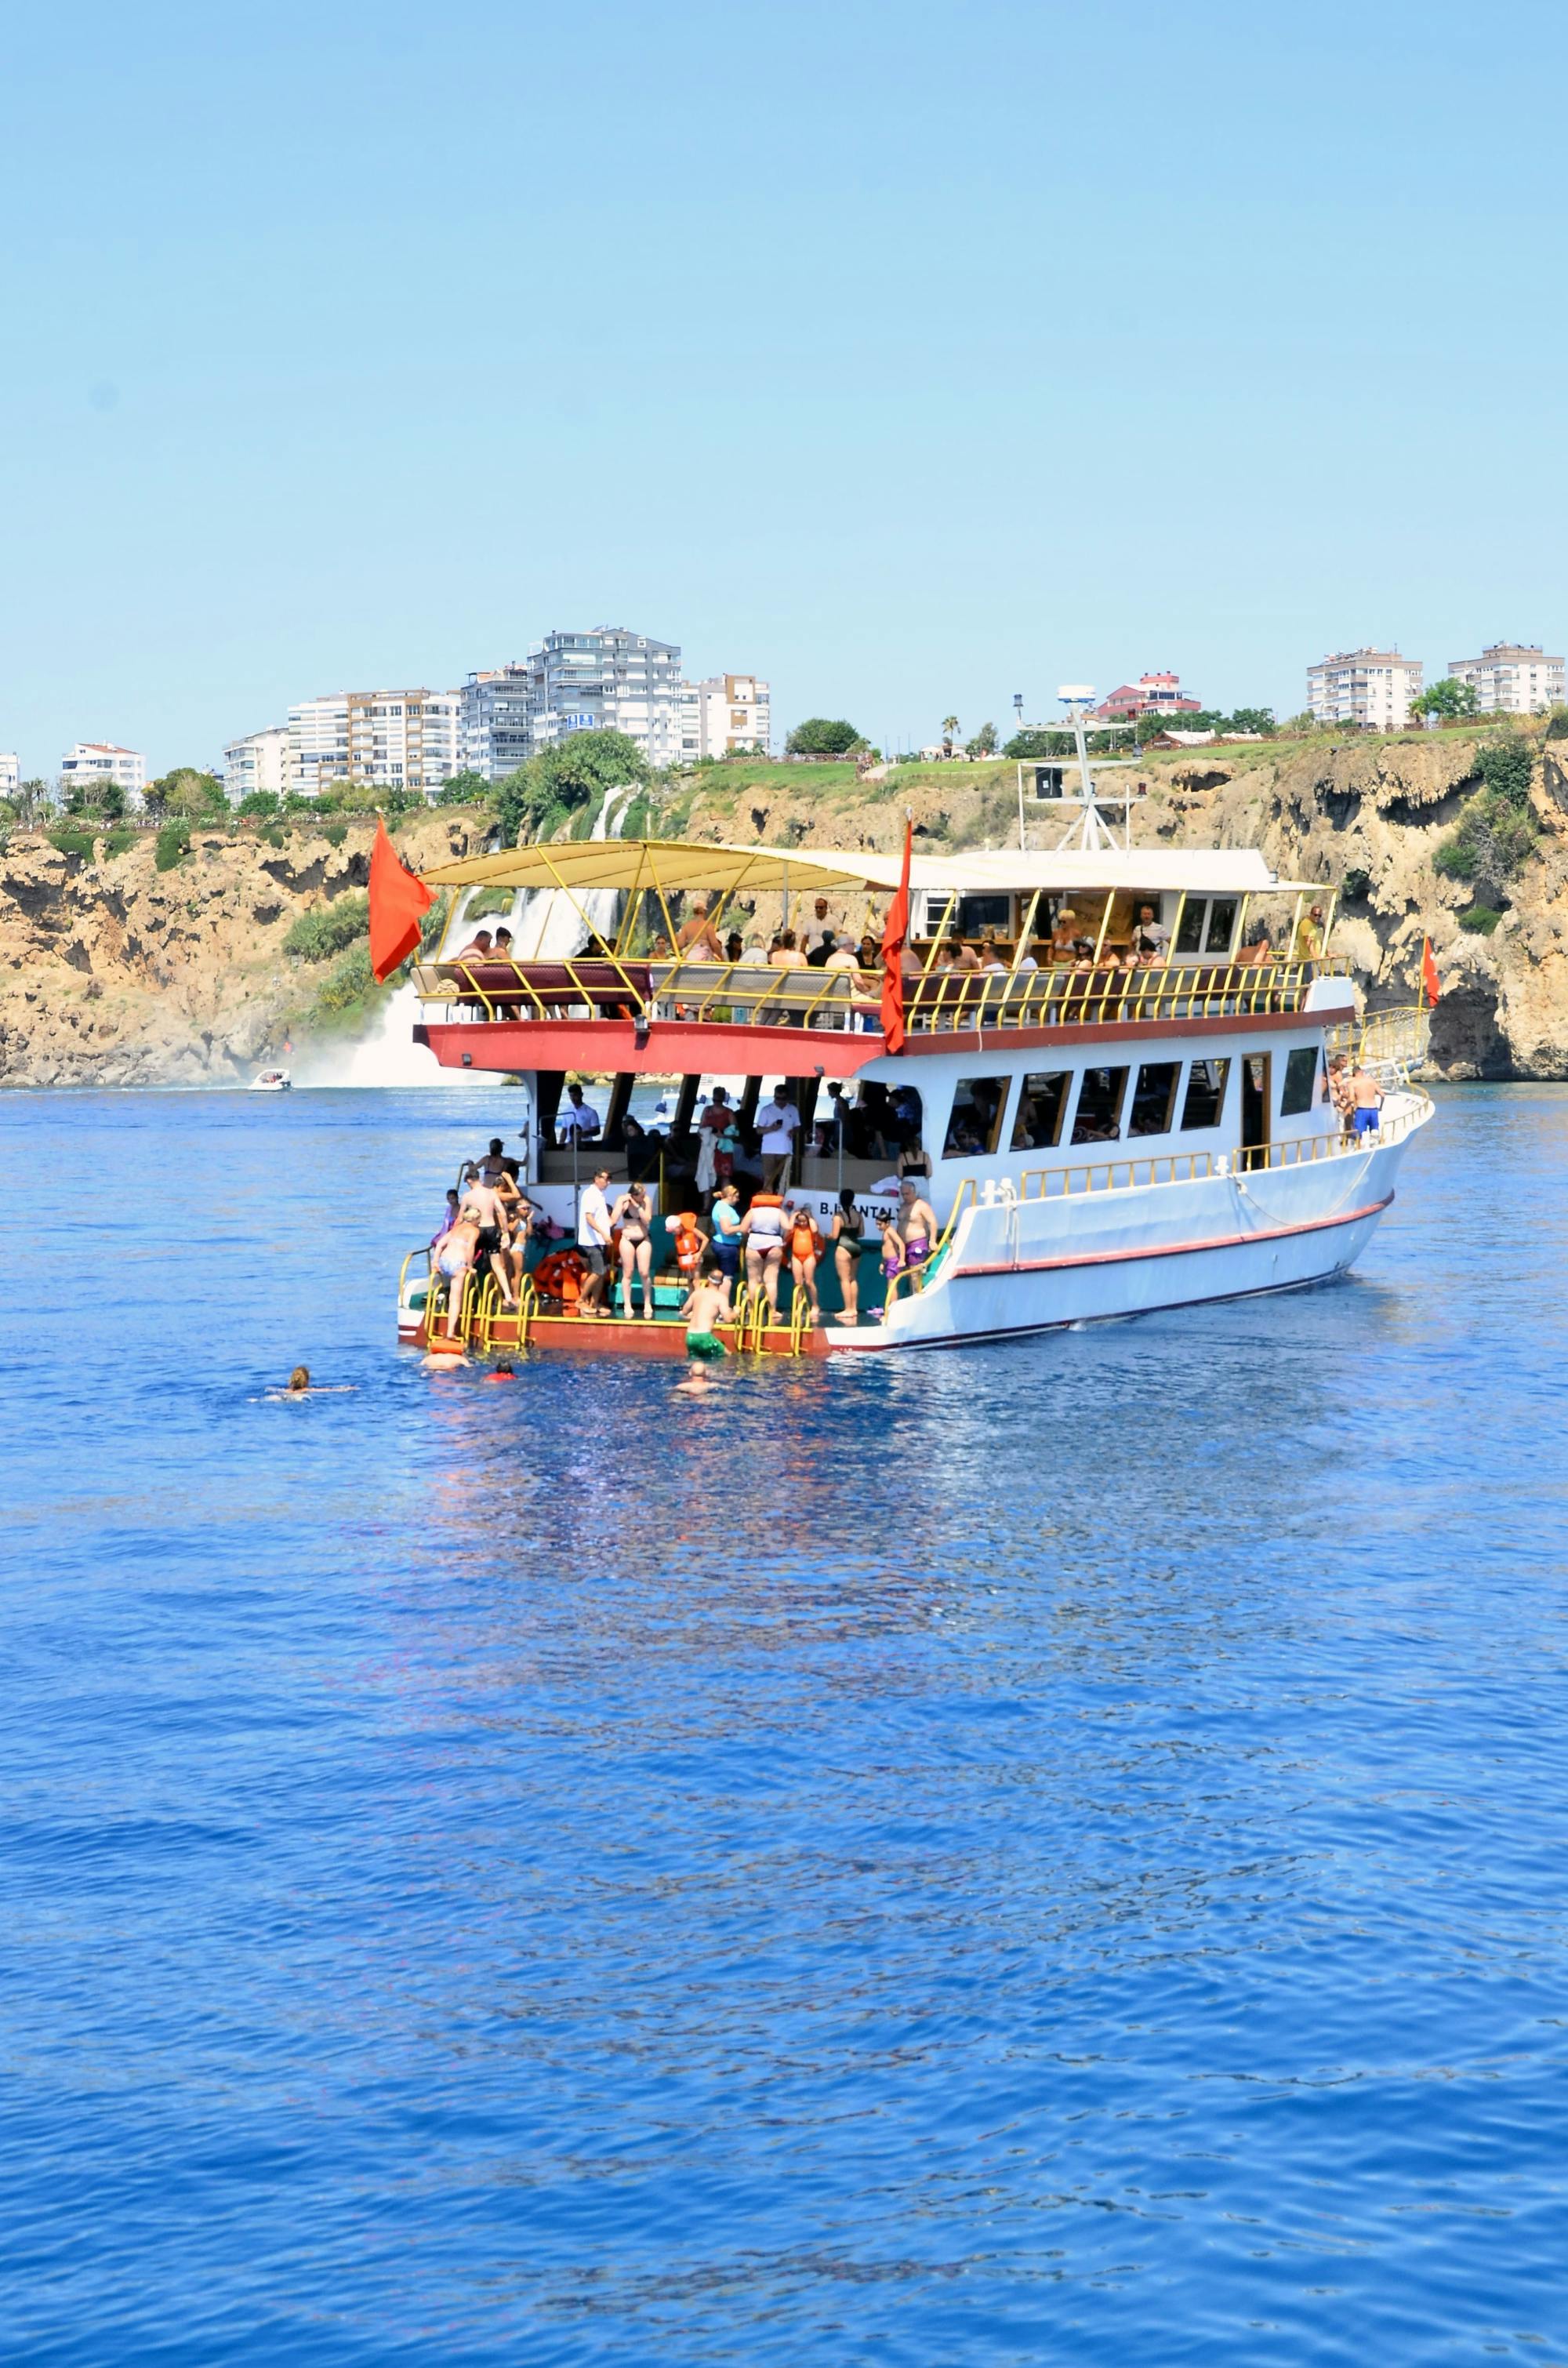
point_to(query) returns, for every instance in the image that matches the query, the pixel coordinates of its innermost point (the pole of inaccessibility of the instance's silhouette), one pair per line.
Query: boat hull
(1035, 1266)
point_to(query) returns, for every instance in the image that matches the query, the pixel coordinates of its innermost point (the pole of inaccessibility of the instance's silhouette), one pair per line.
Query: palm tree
(949, 726)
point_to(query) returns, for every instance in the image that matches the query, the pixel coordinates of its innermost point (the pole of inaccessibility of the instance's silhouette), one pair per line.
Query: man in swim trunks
(1365, 1103)
(452, 1256)
(483, 1204)
(916, 1228)
(593, 1244)
(702, 1308)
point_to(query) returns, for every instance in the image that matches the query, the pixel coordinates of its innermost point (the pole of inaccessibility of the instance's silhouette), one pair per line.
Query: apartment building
(493, 737)
(608, 679)
(259, 760)
(318, 743)
(404, 739)
(1151, 694)
(102, 760)
(723, 714)
(10, 773)
(1512, 679)
(1371, 689)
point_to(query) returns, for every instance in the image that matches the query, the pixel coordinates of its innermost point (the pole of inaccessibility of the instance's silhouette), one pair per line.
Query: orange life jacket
(688, 1244)
(560, 1276)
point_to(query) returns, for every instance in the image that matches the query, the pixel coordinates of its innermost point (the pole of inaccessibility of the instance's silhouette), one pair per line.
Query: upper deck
(1071, 941)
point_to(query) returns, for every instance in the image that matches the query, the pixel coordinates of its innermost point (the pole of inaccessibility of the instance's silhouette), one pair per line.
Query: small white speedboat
(271, 1081)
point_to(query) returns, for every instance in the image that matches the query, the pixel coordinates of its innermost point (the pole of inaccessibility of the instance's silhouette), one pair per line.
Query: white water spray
(546, 923)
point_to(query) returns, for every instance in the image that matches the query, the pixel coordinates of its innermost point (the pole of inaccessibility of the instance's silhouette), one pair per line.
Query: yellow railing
(1116, 1175)
(935, 1005)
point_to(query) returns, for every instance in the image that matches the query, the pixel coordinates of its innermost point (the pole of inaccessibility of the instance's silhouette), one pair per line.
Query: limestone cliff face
(115, 974)
(112, 972)
(1319, 812)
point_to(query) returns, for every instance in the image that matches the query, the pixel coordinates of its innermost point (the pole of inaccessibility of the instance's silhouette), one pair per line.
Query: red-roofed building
(1151, 694)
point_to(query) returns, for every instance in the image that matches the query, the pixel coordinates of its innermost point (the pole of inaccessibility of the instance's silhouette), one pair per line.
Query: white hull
(1033, 1265)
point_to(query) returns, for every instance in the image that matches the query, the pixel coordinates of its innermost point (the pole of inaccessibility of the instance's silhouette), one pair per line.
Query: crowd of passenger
(940, 979)
(746, 1225)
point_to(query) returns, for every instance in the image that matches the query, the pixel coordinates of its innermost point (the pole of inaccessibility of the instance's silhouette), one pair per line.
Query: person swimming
(300, 1385)
(503, 1371)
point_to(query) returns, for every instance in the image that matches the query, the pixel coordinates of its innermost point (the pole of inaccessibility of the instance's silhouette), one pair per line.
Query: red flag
(399, 900)
(893, 936)
(1429, 972)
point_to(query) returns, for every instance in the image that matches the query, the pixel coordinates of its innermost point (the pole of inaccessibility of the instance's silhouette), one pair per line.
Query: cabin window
(1098, 1118)
(1222, 926)
(975, 1126)
(1042, 1105)
(974, 913)
(1207, 925)
(1154, 1100)
(1300, 1089)
(1205, 1104)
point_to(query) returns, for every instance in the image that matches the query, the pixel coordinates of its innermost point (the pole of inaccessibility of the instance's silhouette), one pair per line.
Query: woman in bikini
(848, 1240)
(762, 1230)
(631, 1213)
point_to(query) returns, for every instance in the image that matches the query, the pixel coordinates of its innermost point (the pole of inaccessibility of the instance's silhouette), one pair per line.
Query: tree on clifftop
(186, 794)
(984, 740)
(822, 735)
(571, 774)
(1448, 699)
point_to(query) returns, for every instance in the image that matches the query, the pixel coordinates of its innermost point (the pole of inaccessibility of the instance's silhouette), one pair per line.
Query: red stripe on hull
(1174, 1250)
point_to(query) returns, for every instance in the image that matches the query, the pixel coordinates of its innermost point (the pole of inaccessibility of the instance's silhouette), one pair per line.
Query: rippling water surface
(1053, 1853)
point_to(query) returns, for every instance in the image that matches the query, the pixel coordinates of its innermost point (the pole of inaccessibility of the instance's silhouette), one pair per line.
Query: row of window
(1145, 1099)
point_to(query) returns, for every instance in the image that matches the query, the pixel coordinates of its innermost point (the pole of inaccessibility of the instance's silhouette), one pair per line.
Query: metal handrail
(1079, 997)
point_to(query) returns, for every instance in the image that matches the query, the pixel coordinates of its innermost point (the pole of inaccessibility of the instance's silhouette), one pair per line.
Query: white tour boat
(271, 1081)
(1125, 1108)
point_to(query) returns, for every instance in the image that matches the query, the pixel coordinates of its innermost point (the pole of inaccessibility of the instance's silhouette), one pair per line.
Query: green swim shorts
(703, 1344)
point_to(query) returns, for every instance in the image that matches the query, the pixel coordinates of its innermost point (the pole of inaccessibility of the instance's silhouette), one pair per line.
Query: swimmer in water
(301, 1385)
(502, 1372)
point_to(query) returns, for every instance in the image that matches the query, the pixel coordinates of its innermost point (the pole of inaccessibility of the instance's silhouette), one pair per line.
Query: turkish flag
(1429, 971)
(399, 902)
(893, 936)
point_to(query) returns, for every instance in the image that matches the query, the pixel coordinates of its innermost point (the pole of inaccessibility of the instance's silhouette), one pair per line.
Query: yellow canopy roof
(690, 866)
(697, 867)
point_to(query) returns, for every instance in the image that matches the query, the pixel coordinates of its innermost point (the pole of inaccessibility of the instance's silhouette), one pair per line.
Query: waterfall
(546, 923)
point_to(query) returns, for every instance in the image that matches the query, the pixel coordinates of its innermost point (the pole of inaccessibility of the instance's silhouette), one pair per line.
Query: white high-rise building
(258, 761)
(608, 679)
(404, 739)
(493, 735)
(318, 743)
(10, 773)
(724, 714)
(101, 760)
(1512, 679)
(1372, 688)
(391, 739)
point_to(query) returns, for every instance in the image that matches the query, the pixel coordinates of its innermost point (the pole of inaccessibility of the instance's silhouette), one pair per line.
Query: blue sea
(1052, 1853)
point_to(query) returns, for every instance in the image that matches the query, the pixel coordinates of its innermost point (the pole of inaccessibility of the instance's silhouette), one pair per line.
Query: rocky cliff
(113, 973)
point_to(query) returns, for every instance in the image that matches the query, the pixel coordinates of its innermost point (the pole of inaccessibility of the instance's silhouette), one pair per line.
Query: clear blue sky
(911, 354)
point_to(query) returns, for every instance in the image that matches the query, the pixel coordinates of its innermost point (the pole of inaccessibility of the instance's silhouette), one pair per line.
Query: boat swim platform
(491, 1328)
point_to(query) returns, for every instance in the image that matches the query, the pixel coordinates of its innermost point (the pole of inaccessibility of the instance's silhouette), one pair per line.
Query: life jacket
(688, 1244)
(560, 1276)
(804, 1239)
